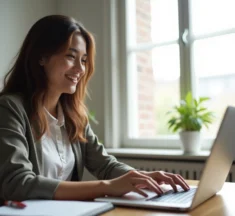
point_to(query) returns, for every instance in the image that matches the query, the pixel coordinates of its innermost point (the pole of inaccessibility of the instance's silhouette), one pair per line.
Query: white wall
(17, 16)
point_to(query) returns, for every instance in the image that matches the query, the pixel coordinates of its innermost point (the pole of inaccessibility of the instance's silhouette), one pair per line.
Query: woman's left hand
(162, 177)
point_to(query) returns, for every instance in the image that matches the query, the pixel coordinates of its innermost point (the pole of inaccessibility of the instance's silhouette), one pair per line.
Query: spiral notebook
(57, 208)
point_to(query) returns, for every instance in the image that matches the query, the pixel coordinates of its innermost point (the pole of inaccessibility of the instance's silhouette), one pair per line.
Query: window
(172, 47)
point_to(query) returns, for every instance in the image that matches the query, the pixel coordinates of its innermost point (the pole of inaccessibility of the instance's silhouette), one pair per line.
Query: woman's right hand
(131, 181)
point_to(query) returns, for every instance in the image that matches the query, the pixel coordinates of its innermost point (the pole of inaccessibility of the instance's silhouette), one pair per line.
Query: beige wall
(17, 16)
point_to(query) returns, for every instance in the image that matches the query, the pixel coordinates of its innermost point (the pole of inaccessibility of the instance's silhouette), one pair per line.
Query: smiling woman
(65, 69)
(45, 136)
(46, 57)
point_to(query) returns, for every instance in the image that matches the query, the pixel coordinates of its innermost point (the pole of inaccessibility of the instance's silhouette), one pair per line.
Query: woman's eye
(84, 61)
(71, 56)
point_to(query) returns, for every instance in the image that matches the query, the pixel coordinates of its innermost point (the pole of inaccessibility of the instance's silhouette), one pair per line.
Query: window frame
(163, 142)
(121, 118)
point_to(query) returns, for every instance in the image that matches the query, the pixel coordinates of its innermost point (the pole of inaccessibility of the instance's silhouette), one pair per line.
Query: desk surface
(222, 204)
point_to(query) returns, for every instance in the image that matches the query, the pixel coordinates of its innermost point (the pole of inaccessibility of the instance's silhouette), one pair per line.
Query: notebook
(213, 176)
(57, 208)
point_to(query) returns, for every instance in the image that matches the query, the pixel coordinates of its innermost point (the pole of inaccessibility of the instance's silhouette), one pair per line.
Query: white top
(58, 156)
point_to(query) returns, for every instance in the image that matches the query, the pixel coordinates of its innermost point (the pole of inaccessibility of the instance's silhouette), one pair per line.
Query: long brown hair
(46, 37)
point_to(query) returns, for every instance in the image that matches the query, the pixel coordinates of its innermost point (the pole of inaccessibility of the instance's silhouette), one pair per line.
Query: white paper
(56, 208)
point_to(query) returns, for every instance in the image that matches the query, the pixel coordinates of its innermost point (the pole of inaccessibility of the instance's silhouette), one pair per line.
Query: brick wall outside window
(146, 84)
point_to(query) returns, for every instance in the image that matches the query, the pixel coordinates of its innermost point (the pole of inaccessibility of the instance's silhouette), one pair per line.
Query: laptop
(212, 179)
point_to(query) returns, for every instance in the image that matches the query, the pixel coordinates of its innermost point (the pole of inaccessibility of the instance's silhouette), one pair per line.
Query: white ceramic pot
(190, 141)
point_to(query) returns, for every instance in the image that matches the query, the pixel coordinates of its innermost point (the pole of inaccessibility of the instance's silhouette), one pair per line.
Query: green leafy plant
(91, 117)
(190, 115)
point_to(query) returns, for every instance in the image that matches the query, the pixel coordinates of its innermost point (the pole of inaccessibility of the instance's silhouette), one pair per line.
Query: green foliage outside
(190, 115)
(91, 117)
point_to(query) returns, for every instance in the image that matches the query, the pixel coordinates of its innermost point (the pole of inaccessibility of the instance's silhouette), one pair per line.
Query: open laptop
(213, 176)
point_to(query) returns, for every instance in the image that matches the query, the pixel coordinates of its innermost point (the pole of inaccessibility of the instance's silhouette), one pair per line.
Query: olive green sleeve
(17, 179)
(99, 162)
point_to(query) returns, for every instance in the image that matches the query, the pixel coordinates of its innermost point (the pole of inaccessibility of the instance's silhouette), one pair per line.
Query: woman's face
(65, 69)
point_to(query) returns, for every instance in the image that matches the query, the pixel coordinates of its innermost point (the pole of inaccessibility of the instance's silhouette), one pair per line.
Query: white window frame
(120, 100)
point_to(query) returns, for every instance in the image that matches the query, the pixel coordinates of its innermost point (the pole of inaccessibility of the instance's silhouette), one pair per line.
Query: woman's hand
(134, 180)
(161, 177)
(131, 181)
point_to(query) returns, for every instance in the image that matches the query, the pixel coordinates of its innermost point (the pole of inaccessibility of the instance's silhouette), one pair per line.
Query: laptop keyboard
(179, 197)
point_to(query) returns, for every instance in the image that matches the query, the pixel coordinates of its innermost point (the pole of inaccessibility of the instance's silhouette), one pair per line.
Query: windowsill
(160, 154)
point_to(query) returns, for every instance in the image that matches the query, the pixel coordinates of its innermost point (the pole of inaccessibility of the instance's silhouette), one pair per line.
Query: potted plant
(189, 118)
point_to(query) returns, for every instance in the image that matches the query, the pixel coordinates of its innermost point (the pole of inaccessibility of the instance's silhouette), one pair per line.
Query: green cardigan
(21, 157)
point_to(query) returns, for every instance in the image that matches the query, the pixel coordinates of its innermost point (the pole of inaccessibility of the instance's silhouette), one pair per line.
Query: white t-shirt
(58, 156)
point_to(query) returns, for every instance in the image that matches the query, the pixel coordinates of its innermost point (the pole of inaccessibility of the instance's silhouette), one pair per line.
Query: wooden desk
(222, 204)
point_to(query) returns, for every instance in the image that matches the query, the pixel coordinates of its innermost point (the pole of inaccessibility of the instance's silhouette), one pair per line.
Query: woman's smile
(72, 78)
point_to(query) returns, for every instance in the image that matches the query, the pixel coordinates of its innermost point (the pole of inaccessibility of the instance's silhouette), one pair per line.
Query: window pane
(156, 20)
(212, 15)
(215, 69)
(158, 89)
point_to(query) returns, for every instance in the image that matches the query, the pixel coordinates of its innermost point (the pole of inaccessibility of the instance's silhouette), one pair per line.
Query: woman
(45, 137)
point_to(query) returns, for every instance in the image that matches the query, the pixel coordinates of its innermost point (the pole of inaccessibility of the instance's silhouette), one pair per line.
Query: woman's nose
(79, 67)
